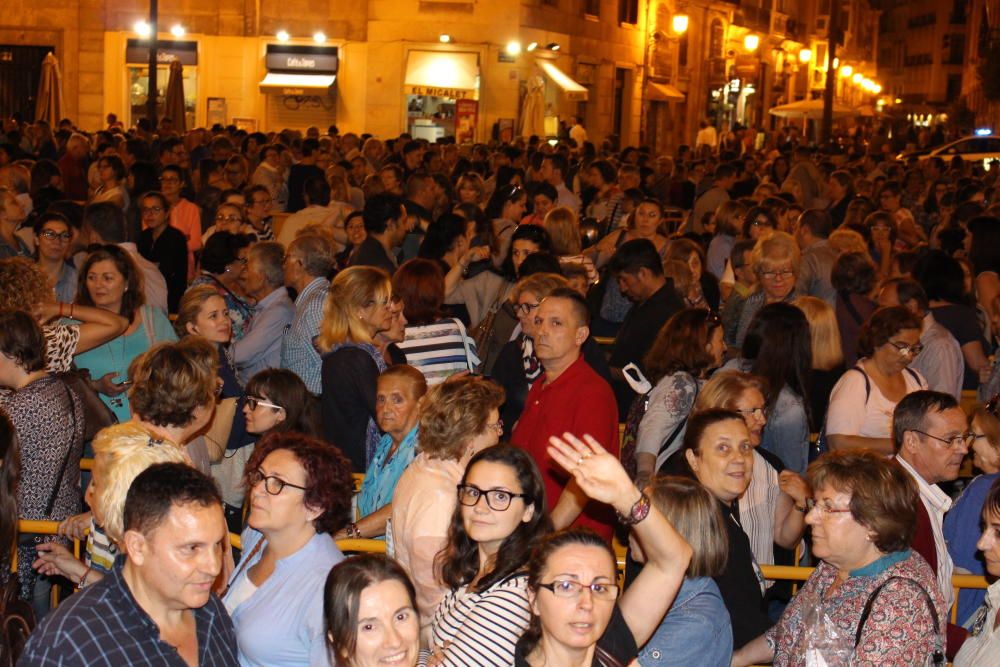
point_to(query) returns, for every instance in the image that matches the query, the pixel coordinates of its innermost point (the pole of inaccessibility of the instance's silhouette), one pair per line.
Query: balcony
(755, 18)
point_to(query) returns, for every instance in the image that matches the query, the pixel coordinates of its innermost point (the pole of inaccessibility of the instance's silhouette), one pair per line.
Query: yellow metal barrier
(86, 464)
(605, 341)
(361, 546)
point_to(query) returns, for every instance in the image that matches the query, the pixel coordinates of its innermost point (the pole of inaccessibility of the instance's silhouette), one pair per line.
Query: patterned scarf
(372, 434)
(532, 367)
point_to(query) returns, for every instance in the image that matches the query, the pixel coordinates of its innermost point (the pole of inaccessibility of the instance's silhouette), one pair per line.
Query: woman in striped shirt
(499, 517)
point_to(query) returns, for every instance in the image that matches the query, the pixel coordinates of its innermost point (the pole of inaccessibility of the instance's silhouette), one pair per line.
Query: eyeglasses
(761, 222)
(907, 350)
(778, 275)
(151, 209)
(497, 499)
(496, 426)
(754, 412)
(525, 308)
(253, 402)
(825, 509)
(273, 485)
(55, 236)
(567, 588)
(962, 439)
(228, 218)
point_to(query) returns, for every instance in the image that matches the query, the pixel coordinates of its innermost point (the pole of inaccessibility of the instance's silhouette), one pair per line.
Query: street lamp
(858, 78)
(142, 29)
(846, 71)
(513, 48)
(751, 42)
(178, 30)
(680, 23)
(805, 55)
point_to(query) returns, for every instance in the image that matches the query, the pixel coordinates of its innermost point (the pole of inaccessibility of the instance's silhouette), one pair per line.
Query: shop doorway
(20, 72)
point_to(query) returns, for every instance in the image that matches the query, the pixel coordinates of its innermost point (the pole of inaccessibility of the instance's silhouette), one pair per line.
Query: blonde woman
(827, 354)
(847, 240)
(563, 227)
(775, 260)
(121, 452)
(358, 306)
(471, 189)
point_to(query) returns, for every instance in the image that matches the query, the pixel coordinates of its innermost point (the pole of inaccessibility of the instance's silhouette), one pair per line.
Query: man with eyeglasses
(931, 437)
(939, 358)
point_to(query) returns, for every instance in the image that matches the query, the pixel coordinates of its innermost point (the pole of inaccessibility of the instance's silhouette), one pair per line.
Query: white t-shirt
(850, 414)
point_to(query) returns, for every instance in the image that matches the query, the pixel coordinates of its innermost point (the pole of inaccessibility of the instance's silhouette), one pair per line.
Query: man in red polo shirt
(569, 397)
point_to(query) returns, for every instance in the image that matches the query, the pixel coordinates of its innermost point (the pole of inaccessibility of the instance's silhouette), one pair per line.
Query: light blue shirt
(696, 630)
(281, 624)
(260, 348)
(298, 352)
(381, 477)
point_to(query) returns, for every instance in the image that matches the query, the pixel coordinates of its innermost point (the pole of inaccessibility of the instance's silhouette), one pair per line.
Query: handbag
(481, 332)
(96, 415)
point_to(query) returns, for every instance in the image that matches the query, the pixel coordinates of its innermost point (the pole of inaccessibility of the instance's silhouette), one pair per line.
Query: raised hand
(598, 474)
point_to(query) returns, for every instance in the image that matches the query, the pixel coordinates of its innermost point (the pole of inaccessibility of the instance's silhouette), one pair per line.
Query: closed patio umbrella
(174, 103)
(49, 104)
(812, 109)
(533, 110)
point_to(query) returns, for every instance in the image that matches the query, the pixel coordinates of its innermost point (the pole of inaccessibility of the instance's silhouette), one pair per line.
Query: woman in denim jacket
(696, 630)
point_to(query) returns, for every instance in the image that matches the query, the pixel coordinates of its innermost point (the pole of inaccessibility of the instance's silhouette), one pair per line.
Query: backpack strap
(938, 651)
(683, 422)
(913, 374)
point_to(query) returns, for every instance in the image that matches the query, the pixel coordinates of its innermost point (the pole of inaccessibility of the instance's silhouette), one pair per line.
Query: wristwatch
(639, 511)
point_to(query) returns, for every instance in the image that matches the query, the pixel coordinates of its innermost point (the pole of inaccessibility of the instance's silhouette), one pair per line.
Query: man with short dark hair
(300, 173)
(308, 261)
(711, 199)
(637, 267)
(569, 397)
(931, 438)
(157, 606)
(260, 348)
(818, 257)
(387, 224)
(421, 198)
(554, 169)
(104, 223)
(317, 211)
(940, 359)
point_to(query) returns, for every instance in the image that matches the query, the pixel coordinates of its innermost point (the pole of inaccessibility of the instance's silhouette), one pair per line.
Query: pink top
(422, 507)
(186, 217)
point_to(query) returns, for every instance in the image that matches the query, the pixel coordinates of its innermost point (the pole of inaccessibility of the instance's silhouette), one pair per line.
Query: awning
(295, 84)
(663, 92)
(571, 88)
(442, 74)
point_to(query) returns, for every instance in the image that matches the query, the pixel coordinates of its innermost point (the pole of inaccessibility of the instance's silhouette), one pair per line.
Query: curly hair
(23, 284)
(328, 476)
(459, 562)
(171, 380)
(455, 412)
(883, 496)
(883, 325)
(121, 452)
(681, 344)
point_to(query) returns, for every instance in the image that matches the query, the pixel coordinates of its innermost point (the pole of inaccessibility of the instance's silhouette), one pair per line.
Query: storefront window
(138, 86)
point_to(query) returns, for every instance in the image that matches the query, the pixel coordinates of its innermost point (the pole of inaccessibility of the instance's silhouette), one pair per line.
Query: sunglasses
(253, 402)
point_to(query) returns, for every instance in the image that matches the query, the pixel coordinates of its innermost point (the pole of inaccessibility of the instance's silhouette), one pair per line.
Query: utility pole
(151, 94)
(833, 33)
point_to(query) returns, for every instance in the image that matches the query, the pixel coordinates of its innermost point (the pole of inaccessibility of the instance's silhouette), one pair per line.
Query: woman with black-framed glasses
(299, 492)
(573, 591)
(499, 517)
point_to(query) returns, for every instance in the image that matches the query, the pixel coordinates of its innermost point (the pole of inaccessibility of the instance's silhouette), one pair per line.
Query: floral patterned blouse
(900, 629)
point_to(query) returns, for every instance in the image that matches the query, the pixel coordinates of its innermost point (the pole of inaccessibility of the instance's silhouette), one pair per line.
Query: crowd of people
(730, 357)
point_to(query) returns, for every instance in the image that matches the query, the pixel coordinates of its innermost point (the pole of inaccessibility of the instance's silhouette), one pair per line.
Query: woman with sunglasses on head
(578, 618)
(505, 208)
(300, 494)
(686, 350)
(499, 518)
(862, 402)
